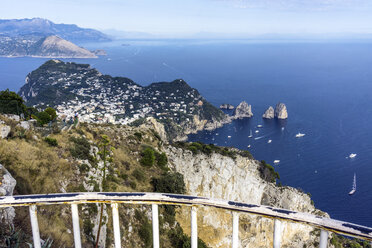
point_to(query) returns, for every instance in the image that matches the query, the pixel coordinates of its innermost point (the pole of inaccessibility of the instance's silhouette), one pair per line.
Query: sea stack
(281, 111)
(226, 106)
(243, 110)
(269, 113)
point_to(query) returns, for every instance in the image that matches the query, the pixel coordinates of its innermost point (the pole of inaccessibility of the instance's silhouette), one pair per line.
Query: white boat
(250, 134)
(256, 131)
(259, 125)
(269, 141)
(229, 136)
(277, 161)
(216, 133)
(299, 135)
(352, 155)
(354, 186)
(249, 146)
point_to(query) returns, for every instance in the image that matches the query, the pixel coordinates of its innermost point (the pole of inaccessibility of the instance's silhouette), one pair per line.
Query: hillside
(46, 47)
(42, 27)
(77, 88)
(72, 164)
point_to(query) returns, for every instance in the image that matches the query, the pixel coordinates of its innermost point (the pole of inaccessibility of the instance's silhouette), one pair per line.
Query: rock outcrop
(226, 106)
(222, 177)
(269, 113)
(4, 131)
(281, 111)
(7, 185)
(243, 110)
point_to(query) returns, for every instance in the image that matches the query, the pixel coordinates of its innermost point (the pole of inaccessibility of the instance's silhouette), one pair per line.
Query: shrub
(138, 136)
(161, 159)
(51, 141)
(171, 182)
(42, 118)
(148, 157)
(80, 148)
(51, 112)
(139, 174)
(145, 229)
(267, 172)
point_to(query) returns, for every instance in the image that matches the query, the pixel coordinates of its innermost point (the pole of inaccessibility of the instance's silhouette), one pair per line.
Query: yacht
(269, 141)
(352, 155)
(259, 125)
(299, 135)
(256, 131)
(250, 134)
(229, 136)
(354, 186)
(277, 161)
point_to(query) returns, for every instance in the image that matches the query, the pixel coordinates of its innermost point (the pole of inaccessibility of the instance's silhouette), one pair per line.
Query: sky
(249, 17)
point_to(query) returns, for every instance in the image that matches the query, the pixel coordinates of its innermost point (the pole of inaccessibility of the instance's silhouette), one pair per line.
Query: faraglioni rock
(226, 106)
(281, 111)
(269, 113)
(243, 110)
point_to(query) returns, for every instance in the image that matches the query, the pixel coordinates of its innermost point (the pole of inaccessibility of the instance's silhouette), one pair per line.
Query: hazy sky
(193, 16)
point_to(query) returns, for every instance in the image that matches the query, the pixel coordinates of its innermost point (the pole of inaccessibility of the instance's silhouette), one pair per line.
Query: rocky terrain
(72, 163)
(269, 113)
(226, 106)
(46, 47)
(281, 111)
(243, 110)
(77, 88)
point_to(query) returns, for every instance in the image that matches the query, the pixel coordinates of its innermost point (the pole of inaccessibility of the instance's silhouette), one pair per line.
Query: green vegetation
(170, 182)
(148, 157)
(51, 141)
(80, 148)
(139, 174)
(12, 103)
(179, 239)
(198, 147)
(339, 241)
(268, 173)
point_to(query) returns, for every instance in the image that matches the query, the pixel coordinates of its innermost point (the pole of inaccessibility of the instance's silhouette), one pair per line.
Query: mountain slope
(76, 88)
(43, 27)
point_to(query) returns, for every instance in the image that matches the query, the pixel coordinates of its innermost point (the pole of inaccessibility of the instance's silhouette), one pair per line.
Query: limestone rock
(7, 185)
(281, 111)
(4, 131)
(25, 125)
(243, 110)
(222, 177)
(226, 106)
(269, 113)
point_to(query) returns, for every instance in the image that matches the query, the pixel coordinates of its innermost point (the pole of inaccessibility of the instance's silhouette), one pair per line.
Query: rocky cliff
(269, 113)
(243, 110)
(7, 185)
(238, 179)
(281, 111)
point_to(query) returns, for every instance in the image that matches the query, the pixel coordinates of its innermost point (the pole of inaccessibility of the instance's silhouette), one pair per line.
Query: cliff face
(243, 110)
(269, 113)
(238, 179)
(281, 111)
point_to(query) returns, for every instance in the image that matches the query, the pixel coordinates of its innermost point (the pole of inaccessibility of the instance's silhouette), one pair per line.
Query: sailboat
(354, 186)
(250, 134)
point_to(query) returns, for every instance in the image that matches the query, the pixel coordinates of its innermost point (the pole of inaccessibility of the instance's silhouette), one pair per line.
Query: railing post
(194, 228)
(115, 220)
(277, 233)
(75, 225)
(155, 225)
(235, 233)
(323, 239)
(35, 226)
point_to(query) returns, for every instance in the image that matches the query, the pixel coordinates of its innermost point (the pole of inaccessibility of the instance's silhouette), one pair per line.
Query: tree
(148, 157)
(11, 103)
(52, 113)
(105, 154)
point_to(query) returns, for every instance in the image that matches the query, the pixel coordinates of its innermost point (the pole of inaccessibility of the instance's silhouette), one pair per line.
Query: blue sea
(327, 88)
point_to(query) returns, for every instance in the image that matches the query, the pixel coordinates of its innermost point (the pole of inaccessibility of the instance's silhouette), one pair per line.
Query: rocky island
(77, 88)
(226, 106)
(243, 110)
(269, 113)
(281, 111)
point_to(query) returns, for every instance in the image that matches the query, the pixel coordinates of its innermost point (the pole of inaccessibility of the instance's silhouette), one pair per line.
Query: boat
(354, 186)
(249, 146)
(352, 155)
(299, 135)
(229, 136)
(256, 131)
(276, 161)
(259, 125)
(250, 134)
(269, 141)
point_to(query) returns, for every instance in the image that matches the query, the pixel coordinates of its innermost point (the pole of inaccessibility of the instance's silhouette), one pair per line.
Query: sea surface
(327, 88)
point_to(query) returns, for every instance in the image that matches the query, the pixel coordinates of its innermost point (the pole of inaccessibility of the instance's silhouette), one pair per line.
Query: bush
(138, 136)
(169, 183)
(42, 118)
(139, 174)
(145, 229)
(267, 172)
(11, 103)
(161, 159)
(51, 141)
(51, 112)
(179, 239)
(80, 148)
(148, 157)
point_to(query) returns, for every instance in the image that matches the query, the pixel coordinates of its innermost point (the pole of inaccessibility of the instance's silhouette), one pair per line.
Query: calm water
(327, 89)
